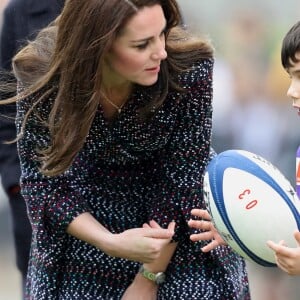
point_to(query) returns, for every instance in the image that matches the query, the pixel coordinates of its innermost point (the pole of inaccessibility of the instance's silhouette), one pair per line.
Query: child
(288, 259)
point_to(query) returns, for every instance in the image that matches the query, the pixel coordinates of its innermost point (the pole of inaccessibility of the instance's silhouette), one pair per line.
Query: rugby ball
(250, 202)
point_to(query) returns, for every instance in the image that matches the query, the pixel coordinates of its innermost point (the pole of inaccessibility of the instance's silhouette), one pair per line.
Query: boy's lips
(298, 110)
(296, 106)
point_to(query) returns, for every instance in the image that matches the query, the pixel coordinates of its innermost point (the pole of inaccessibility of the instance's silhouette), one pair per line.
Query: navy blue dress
(128, 172)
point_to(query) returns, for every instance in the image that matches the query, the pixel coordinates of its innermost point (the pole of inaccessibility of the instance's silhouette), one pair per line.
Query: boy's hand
(206, 225)
(287, 259)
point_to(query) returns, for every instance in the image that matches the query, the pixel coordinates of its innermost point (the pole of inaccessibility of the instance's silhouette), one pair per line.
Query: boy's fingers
(203, 225)
(212, 245)
(201, 236)
(202, 213)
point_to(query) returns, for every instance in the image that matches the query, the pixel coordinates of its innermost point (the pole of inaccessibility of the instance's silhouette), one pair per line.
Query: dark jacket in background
(22, 19)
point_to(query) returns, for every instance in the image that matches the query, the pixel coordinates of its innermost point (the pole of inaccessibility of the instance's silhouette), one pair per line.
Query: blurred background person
(22, 19)
(2, 6)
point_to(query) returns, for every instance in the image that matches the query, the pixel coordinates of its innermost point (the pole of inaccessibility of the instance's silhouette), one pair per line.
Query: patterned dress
(128, 172)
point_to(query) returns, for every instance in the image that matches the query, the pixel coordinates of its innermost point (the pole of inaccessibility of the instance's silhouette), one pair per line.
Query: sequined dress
(129, 171)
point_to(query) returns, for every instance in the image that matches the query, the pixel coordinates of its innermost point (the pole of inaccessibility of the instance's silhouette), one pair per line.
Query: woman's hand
(287, 259)
(139, 244)
(210, 231)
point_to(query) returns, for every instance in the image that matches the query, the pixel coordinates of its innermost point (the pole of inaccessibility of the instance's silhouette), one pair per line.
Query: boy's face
(294, 89)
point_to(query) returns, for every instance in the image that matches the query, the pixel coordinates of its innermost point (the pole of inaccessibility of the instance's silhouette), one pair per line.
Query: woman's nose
(160, 52)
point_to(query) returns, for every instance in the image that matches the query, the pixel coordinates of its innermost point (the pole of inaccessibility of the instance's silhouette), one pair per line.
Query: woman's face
(136, 54)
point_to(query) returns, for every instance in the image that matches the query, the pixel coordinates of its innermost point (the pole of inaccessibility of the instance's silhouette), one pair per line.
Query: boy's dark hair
(290, 46)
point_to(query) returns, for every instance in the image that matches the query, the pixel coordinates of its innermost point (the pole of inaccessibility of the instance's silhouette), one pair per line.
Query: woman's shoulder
(198, 71)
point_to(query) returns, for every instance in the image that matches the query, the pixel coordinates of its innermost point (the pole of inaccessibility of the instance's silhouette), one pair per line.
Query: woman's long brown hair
(71, 51)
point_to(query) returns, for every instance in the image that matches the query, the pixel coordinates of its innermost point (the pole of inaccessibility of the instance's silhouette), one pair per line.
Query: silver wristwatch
(158, 278)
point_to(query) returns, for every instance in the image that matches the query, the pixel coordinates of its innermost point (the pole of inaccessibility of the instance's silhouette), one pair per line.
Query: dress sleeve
(51, 201)
(182, 164)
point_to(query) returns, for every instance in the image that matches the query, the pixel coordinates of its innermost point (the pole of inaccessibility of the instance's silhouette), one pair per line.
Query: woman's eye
(142, 46)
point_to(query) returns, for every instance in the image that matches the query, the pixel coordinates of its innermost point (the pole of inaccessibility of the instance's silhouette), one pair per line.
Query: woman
(114, 122)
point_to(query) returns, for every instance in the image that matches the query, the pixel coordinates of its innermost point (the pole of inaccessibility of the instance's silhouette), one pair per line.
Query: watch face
(160, 278)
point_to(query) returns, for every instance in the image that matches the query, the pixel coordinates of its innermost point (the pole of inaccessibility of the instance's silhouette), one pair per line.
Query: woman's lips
(154, 69)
